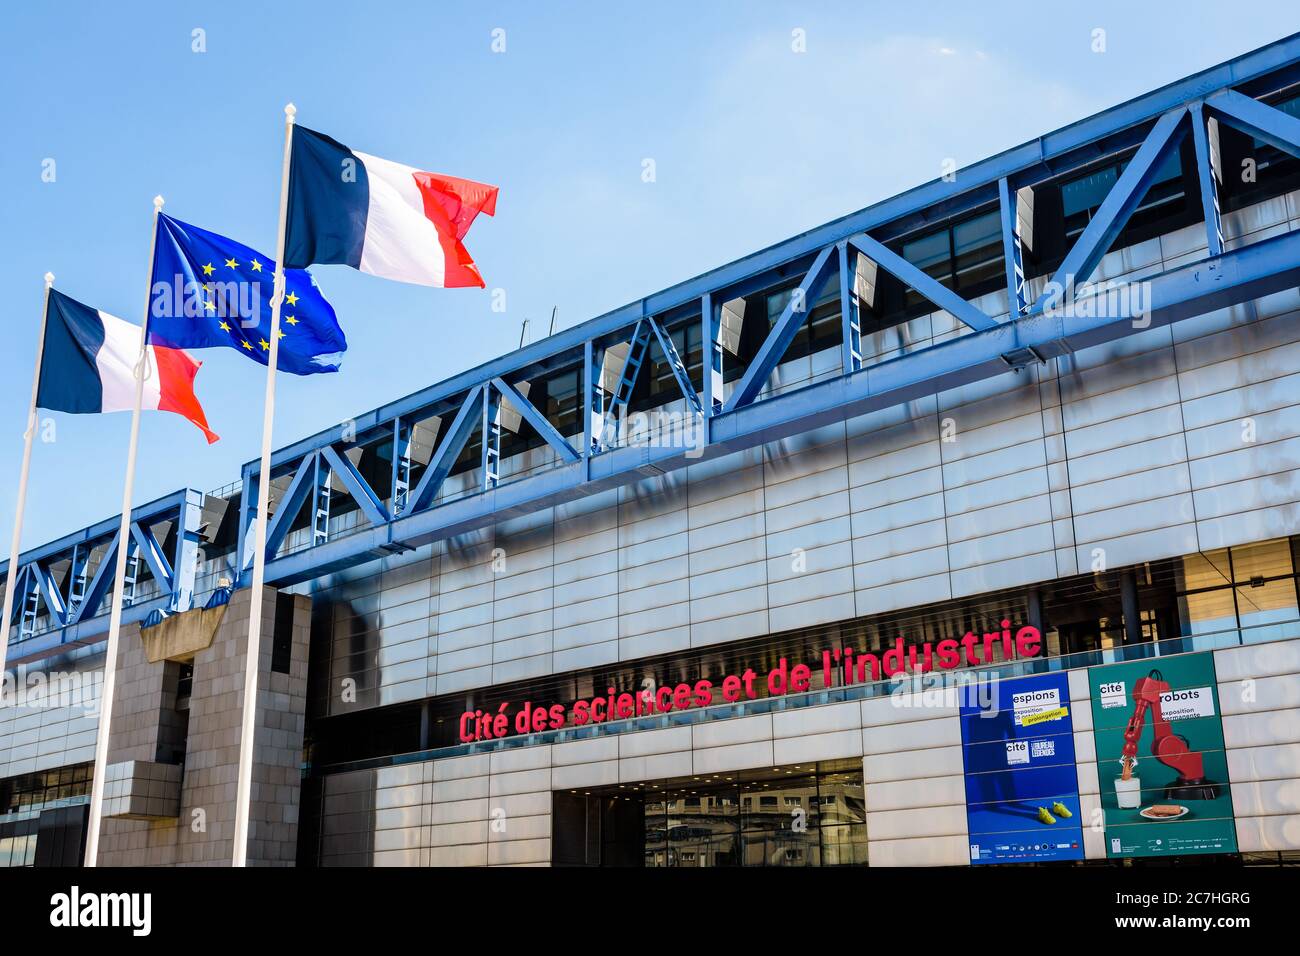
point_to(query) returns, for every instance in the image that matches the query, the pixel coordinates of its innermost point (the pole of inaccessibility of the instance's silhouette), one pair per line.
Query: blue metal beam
(676, 366)
(711, 345)
(592, 401)
(402, 435)
(371, 505)
(783, 332)
(1280, 130)
(1113, 214)
(147, 545)
(925, 285)
(535, 418)
(99, 584)
(1206, 174)
(850, 315)
(1013, 252)
(22, 585)
(154, 511)
(79, 612)
(444, 458)
(49, 589)
(288, 507)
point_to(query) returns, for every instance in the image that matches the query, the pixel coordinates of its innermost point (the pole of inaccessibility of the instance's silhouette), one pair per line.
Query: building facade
(963, 530)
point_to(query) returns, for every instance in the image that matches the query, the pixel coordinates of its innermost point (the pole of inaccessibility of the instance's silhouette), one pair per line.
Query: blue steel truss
(619, 343)
(75, 601)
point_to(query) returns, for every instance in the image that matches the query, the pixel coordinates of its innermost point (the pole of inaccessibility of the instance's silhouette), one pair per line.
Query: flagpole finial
(157, 202)
(49, 279)
(290, 111)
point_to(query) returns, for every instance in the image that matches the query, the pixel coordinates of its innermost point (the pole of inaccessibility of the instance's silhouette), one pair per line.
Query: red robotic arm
(1167, 747)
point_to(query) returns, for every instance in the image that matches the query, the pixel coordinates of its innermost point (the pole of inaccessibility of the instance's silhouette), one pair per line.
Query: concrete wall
(212, 754)
(1136, 450)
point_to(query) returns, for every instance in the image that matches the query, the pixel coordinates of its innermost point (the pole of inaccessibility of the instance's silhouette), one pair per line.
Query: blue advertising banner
(1022, 792)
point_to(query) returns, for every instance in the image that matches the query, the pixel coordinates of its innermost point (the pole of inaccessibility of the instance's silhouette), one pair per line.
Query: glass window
(562, 403)
(1268, 559)
(1266, 602)
(977, 246)
(1208, 612)
(966, 257)
(930, 254)
(1087, 192)
(1207, 569)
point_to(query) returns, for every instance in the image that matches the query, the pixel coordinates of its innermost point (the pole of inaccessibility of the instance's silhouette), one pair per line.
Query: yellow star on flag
(210, 305)
(291, 319)
(208, 269)
(265, 344)
(225, 327)
(257, 266)
(231, 263)
(291, 298)
(279, 333)
(247, 344)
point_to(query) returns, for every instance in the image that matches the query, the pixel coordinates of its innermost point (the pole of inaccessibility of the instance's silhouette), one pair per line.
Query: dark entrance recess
(802, 815)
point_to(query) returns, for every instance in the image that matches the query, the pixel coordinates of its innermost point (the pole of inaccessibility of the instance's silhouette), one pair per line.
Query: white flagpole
(244, 787)
(119, 576)
(28, 437)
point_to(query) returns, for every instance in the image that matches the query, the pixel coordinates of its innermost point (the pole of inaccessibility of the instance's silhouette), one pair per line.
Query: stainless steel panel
(1014, 487)
(895, 517)
(817, 535)
(994, 521)
(1238, 403)
(919, 537)
(1129, 489)
(1006, 546)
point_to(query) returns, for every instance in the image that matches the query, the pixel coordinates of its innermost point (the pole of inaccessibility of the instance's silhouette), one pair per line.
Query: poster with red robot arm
(1161, 764)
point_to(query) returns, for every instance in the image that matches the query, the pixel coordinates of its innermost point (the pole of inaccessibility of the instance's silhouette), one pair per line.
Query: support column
(402, 434)
(711, 345)
(1128, 592)
(1034, 609)
(850, 317)
(1205, 137)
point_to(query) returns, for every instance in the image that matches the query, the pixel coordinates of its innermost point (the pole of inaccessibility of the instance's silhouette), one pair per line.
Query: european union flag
(210, 291)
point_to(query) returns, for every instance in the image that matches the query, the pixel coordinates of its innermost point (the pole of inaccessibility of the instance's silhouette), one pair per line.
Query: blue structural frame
(77, 604)
(987, 345)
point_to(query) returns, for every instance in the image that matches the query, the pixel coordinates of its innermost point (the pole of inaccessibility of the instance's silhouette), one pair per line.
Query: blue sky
(751, 141)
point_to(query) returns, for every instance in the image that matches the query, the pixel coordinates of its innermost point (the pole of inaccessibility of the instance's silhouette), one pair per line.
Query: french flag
(381, 217)
(88, 361)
